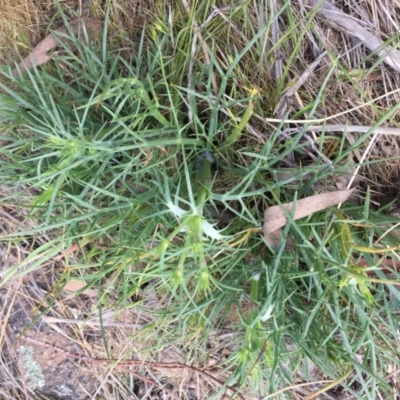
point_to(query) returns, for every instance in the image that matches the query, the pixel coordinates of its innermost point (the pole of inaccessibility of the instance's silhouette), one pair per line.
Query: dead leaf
(75, 286)
(39, 56)
(275, 218)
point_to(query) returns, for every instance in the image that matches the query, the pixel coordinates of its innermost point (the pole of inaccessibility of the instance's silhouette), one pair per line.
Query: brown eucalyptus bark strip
(39, 56)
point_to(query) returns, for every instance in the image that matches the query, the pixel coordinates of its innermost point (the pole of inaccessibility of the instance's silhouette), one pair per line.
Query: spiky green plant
(121, 153)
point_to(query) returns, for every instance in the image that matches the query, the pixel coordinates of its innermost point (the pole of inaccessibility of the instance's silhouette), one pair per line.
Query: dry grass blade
(198, 35)
(39, 55)
(330, 117)
(279, 109)
(275, 218)
(339, 20)
(346, 128)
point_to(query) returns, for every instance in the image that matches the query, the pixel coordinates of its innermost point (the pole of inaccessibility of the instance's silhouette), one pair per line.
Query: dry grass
(24, 25)
(349, 77)
(19, 28)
